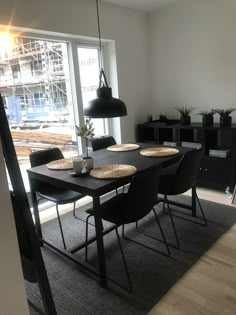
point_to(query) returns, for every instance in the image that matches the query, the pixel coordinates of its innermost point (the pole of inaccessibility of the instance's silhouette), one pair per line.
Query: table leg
(194, 205)
(100, 244)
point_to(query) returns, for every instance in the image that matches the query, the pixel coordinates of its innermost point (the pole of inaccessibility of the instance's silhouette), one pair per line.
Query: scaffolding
(34, 71)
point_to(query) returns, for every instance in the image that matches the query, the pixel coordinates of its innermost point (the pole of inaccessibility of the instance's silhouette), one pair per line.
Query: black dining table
(95, 188)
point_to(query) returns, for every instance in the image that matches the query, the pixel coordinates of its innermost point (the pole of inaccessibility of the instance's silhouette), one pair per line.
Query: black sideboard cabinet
(218, 168)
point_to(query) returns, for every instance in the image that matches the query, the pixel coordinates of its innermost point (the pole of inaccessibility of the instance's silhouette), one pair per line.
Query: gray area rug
(152, 274)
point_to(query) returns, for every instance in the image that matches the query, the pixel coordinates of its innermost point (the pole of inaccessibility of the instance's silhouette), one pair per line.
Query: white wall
(194, 56)
(12, 297)
(128, 28)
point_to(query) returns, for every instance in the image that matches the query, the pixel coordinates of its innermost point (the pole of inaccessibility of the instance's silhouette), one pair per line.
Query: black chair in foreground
(49, 192)
(179, 178)
(132, 206)
(99, 143)
(31, 257)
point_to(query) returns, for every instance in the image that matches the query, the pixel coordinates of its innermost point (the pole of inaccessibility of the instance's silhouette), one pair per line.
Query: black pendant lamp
(104, 106)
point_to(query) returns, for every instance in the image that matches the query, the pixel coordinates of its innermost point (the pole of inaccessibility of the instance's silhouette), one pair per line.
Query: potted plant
(163, 118)
(185, 111)
(86, 132)
(225, 118)
(207, 117)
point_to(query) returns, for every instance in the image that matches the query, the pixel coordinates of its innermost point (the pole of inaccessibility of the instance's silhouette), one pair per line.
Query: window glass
(35, 85)
(89, 78)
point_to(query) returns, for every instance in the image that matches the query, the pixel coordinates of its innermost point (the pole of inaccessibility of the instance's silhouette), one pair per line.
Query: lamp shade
(105, 106)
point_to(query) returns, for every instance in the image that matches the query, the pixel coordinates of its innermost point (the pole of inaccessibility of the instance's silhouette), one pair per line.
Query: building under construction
(33, 81)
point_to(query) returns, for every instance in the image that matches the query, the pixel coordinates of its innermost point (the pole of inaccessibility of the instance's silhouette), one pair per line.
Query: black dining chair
(132, 206)
(179, 178)
(99, 143)
(52, 193)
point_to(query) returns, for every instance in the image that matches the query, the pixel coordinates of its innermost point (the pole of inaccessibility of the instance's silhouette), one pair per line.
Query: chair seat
(61, 196)
(90, 211)
(112, 209)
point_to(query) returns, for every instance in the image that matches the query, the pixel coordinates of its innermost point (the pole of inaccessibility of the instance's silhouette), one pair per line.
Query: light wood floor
(209, 287)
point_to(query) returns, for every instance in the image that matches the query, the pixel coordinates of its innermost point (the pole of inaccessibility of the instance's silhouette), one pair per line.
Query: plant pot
(225, 121)
(185, 120)
(89, 160)
(207, 120)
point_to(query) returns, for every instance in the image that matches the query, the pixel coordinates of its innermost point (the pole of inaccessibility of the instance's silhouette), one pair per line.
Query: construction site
(35, 86)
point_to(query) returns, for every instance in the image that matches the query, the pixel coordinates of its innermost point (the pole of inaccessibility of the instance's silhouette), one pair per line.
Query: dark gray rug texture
(76, 292)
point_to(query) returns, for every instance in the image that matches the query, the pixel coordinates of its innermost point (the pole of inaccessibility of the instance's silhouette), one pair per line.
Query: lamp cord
(102, 73)
(99, 34)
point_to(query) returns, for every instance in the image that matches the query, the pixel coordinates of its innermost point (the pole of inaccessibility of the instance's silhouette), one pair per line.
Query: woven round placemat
(62, 164)
(113, 171)
(159, 152)
(123, 147)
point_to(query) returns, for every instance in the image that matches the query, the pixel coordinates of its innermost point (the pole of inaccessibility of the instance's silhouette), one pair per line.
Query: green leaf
(86, 131)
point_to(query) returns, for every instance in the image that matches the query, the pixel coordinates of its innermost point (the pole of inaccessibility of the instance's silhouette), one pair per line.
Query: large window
(35, 82)
(36, 88)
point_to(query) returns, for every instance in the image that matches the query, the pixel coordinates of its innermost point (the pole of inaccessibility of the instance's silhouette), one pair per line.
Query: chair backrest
(142, 195)
(187, 171)
(102, 142)
(45, 156)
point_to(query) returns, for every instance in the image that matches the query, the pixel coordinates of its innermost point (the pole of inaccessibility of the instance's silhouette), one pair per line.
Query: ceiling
(142, 5)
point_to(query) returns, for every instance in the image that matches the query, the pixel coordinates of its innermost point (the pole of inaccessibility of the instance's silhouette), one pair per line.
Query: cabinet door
(215, 173)
(146, 133)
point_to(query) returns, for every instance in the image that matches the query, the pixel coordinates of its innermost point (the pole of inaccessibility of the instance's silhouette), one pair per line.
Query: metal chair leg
(202, 212)
(74, 210)
(172, 221)
(124, 261)
(60, 225)
(164, 204)
(146, 246)
(177, 204)
(162, 232)
(86, 238)
(123, 232)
